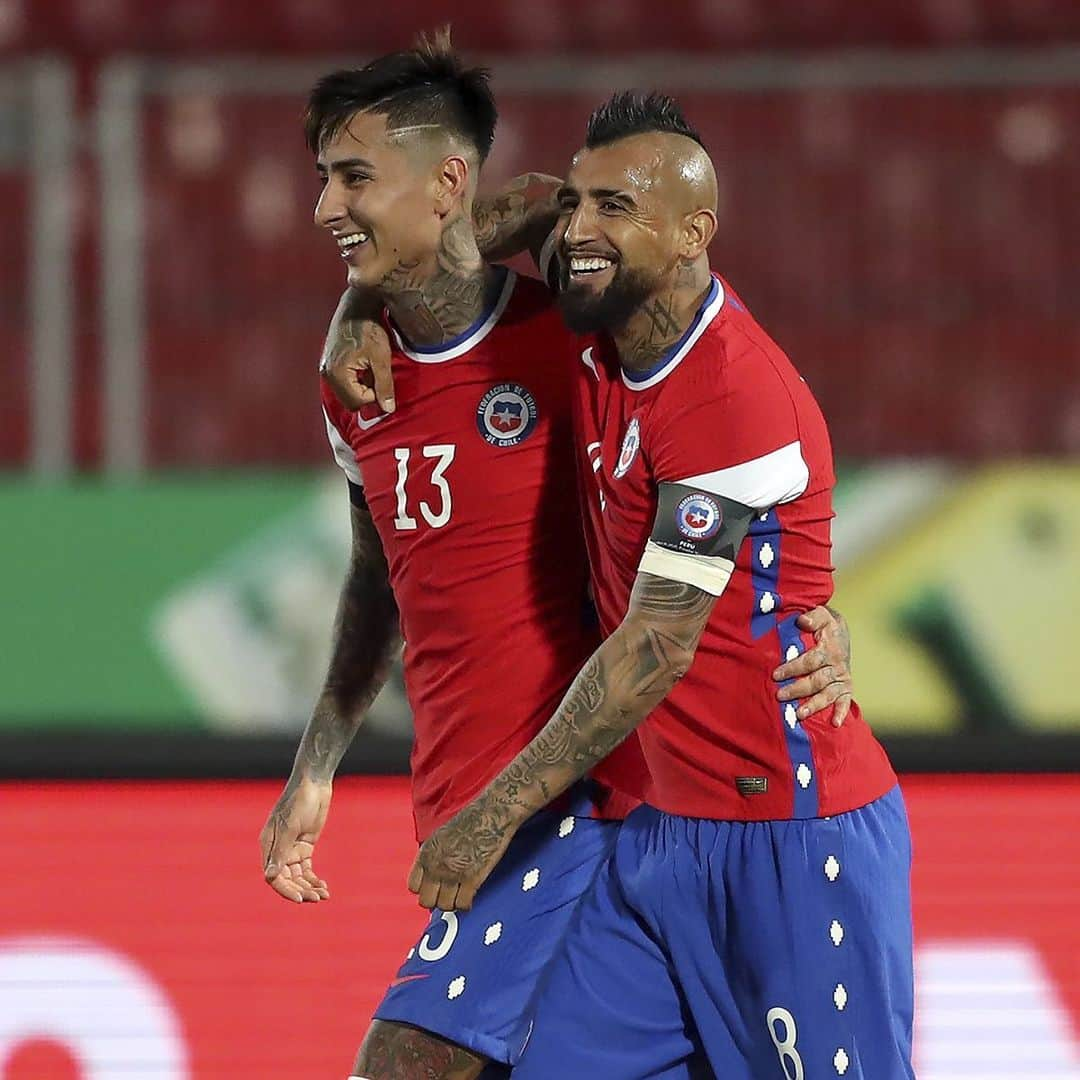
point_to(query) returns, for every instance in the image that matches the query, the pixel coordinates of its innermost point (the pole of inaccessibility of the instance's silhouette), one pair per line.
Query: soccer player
(757, 907)
(466, 536)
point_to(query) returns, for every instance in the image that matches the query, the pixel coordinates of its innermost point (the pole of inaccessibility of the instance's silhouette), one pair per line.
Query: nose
(580, 229)
(330, 209)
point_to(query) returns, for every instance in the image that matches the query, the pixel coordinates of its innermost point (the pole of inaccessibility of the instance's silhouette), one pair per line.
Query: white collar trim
(712, 309)
(440, 356)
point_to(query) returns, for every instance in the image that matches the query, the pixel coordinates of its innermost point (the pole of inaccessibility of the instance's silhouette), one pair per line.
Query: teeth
(351, 240)
(583, 263)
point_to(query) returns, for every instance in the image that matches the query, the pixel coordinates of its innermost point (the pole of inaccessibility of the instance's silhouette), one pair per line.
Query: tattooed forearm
(624, 680)
(517, 217)
(365, 639)
(394, 1051)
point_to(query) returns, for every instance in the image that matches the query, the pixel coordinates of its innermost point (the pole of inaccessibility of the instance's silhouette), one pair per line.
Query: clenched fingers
(384, 382)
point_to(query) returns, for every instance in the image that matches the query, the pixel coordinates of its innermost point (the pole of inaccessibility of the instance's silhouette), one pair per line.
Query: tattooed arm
(623, 681)
(518, 217)
(356, 356)
(365, 638)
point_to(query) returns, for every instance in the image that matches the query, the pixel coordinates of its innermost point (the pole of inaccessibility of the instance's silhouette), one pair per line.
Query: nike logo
(405, 979)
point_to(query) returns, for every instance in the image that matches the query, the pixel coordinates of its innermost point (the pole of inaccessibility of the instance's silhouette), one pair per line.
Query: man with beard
(757, 908)
(465, 533)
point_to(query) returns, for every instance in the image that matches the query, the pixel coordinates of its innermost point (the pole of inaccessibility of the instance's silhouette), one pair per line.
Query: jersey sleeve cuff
(343, 452)
(709, 573)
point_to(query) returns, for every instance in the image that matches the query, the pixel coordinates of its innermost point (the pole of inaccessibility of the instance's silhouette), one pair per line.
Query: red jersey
(725, 416)
(470, 486)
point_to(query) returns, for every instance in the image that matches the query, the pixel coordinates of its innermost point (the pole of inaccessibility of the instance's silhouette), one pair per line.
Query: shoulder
(533, 324)
(531, 299)
(735, 364)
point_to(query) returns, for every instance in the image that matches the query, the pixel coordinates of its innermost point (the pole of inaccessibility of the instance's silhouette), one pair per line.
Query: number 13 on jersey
(438, 516)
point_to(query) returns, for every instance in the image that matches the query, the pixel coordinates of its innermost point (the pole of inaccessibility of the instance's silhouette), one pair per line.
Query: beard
(585, 311)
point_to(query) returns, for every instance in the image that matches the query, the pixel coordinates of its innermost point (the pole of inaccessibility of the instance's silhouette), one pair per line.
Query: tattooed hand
(821, 675)
(459, 856)
(288, 841)
(620, 684)
(356, 356)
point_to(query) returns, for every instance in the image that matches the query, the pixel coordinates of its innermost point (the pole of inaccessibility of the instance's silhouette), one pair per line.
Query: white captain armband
(695, 537)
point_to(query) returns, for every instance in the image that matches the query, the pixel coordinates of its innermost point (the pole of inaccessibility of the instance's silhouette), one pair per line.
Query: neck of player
(658, 324)
(436, 299)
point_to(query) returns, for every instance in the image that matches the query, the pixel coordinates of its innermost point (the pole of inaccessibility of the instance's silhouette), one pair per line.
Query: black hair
(427, 84)
(630, 112)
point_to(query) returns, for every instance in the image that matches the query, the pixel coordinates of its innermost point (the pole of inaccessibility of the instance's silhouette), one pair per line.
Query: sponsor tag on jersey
(506, 414)
(752, 785)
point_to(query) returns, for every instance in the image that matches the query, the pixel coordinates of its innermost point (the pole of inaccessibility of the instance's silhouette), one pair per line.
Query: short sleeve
(337, 426)
(723, 445)
(735, 436)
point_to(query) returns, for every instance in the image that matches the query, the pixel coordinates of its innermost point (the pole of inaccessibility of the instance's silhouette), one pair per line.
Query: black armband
(357, 496)
(695, 522)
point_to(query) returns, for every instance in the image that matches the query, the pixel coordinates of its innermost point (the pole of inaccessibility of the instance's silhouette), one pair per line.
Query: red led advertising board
(137, 938)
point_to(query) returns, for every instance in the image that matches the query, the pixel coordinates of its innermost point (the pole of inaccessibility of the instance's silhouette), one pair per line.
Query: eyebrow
(598, 194)
(345, 163)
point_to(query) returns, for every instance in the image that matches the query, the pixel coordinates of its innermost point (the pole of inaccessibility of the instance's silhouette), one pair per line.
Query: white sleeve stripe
(343, 452)
(709, 573)
(773, 478)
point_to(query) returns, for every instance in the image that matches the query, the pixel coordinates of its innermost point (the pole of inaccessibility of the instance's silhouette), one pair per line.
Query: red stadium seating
(92, 27)
(894, 243)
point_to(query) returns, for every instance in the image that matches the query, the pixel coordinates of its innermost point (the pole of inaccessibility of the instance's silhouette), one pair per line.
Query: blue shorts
(777, 949)
(473, 975)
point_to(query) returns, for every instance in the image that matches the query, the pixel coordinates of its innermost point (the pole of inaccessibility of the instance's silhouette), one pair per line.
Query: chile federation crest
(506, 414)
(698, 517)
(630, 445)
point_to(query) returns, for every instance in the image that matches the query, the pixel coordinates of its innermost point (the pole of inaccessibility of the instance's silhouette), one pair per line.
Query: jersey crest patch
(630, 445)
(506, 414)
(698, 516)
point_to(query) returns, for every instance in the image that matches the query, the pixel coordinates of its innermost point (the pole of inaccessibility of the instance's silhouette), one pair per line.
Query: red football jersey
(470, 484)
(725, 416)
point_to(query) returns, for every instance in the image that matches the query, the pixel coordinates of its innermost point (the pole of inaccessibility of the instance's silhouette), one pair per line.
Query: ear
(698, 230)
(451, 183)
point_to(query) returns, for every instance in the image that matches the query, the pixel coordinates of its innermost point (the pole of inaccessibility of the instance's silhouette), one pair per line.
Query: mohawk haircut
(425, 85)
(630, 112)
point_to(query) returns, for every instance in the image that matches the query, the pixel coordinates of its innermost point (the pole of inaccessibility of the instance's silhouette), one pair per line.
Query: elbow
(680, 662)
(660, 660)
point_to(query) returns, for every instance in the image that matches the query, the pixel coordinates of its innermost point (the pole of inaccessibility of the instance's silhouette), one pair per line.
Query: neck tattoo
(661, 321)
(434, 305)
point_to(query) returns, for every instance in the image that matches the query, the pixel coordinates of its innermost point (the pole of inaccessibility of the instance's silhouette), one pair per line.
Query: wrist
(508, 812)
(305, 777)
